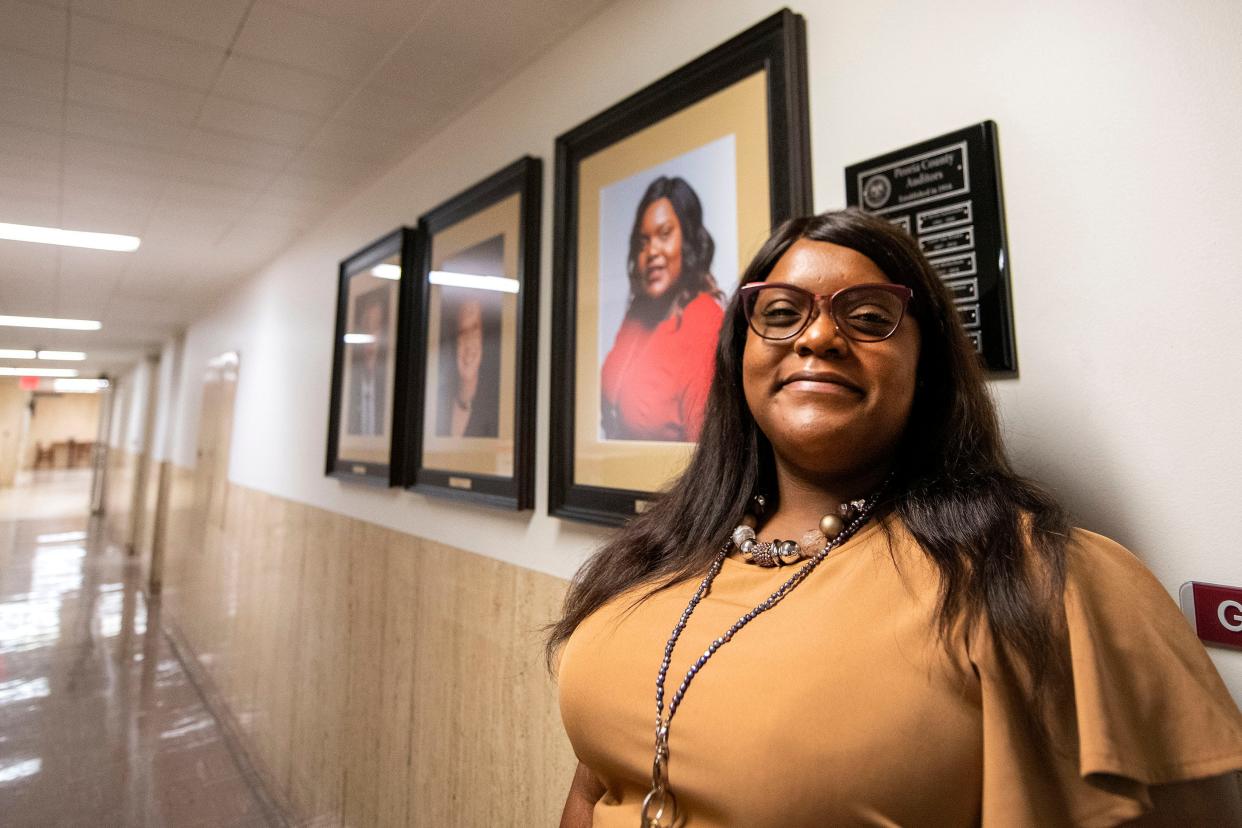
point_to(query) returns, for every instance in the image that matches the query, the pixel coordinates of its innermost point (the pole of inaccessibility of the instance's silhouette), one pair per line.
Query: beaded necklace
(660, 803)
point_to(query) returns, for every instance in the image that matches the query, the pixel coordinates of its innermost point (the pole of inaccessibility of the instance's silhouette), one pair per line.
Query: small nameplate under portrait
(461, 483)
(358, 468)
(641, 506)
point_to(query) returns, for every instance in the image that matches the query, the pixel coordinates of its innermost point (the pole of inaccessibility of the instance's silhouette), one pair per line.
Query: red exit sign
(1215, 611)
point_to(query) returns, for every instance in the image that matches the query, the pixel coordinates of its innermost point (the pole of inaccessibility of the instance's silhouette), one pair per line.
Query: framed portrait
(472, 425)
(366, 415)
(661, 201)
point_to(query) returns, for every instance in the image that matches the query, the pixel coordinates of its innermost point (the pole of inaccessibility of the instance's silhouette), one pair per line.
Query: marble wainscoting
(119, 495)
(372, 677)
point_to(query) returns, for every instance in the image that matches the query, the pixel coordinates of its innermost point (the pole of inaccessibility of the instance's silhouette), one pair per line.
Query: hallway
(99, 723)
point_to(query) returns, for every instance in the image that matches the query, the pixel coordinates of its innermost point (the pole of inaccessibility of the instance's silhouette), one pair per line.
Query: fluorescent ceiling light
(67, 356)
(10, 353)
(79, 386)
(469, 280)
(37, 372)
(387, 271)
(49, 322)
(69, 238)
(359, 339)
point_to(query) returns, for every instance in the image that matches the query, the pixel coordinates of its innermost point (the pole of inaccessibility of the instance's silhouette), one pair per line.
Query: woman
(655, 378)
(469, 398)
(936, 647)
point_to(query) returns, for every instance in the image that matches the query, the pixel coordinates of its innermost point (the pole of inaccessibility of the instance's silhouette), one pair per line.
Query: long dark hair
(697, 247)
(997, 539)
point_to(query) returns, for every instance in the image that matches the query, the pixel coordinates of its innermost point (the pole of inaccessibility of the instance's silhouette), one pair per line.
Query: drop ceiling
(218, 131)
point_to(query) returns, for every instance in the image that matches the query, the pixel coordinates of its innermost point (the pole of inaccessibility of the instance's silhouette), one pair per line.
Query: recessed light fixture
(386, 271)
(79, 386)
(470, 280)
(69, 238)
(63, 356)
(359, 339)
(6, 371)
(49, 322)
(16, 353)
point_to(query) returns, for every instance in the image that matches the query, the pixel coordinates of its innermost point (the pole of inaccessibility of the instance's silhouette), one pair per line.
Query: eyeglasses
(864, 313)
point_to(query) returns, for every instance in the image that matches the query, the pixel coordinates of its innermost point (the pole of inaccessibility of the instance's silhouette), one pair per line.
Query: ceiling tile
(36, 75)
(18, 209)
(28, 187)
(102, 182)
(306, 188)
(173, 220)
(125, 128)
(370, 107)
(275, 209)
(24, 166)
(329, 166)
(220, 146)
(28, 298)
(92, 152)
(33, 28)
(32, 111)
(204, 195)
(254, 121)
(27, 177)
(106, 215)
(214, 23)
(133, 51)
(34, 261)
(317, 44)
(30, 143)
(372, 15)
(171, 104)
(264, 82)
(358, 143)
(80, 268)
(208, 171)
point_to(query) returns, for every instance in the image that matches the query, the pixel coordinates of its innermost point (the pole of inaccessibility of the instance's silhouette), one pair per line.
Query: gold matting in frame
(475, 455)
(739, 110)
(357, 442)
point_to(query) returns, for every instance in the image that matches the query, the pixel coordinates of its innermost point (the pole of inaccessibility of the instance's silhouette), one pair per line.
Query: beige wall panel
(377, 678)
(393, 802)
(118, 509)
(317, 771)
(13, 402)
(369, 548)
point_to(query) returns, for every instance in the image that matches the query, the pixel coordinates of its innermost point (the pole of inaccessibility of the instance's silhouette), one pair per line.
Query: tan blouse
(840, 707)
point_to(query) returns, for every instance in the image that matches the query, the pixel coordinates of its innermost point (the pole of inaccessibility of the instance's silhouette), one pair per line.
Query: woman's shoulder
(1142, 705)
(704, 309)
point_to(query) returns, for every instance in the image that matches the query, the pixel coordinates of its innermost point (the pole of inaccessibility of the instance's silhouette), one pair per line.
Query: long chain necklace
(660, 803)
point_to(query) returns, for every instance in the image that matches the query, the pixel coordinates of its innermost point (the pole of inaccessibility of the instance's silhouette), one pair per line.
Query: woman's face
(659, 258)
(830, 405)
(469, 348)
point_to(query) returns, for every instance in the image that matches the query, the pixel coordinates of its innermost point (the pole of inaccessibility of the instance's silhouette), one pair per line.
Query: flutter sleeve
(1144, 705)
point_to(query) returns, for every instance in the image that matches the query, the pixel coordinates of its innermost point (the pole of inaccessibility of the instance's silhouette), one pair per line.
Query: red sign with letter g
(1215, 611)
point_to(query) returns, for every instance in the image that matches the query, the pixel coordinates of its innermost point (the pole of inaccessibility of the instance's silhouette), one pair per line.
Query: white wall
(167, 388)
(137, 388)
(1119, 125)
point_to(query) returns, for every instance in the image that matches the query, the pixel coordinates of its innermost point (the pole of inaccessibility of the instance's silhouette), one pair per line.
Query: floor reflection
(99, 724)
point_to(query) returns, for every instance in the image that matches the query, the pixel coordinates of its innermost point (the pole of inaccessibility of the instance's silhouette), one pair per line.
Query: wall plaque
(946, 192)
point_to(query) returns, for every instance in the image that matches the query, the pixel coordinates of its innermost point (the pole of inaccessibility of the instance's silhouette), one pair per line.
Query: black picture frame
(947, 193)
(402, 243)
(524, 179)
(777, 46)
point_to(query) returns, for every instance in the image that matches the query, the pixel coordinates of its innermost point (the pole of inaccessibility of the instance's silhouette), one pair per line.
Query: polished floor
(99, 723)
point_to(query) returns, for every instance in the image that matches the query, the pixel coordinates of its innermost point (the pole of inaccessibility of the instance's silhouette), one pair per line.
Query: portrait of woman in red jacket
(655, 379)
